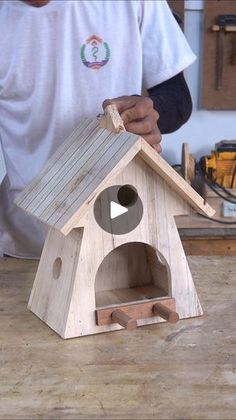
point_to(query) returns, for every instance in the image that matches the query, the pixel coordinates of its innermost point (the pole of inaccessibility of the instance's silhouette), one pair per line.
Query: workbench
(202, 236)
(164, 371)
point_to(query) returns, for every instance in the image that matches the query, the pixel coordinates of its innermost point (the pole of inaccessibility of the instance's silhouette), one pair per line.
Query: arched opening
(132, 272)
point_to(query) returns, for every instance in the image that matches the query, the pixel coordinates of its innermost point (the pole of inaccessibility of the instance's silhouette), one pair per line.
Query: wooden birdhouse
(113, 257)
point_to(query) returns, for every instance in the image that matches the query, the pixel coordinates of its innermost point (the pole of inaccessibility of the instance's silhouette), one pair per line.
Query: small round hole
(57, 268)
(127, 195)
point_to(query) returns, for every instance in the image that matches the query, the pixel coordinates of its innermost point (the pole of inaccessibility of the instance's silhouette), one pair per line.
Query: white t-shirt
(58, 64)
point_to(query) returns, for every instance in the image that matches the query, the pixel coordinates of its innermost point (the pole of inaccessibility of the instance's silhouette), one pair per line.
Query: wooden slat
(77, 177)
(157, 228)
(207, 232)
(224, 246)
(120, 317)
(136, 311)
(195, 225)
(71, 175)
(133, 294)
(112, 167)
(50, 172)
(117, 296)
(74, 173)
(200, 236)
(68, 185)
(111, 120)
(151, 291)
(174, 180)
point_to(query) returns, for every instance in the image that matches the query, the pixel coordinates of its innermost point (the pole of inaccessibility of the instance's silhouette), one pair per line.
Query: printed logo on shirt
(95, 53)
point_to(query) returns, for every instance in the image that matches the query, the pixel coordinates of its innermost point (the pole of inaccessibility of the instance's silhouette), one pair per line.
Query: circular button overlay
(118, 209)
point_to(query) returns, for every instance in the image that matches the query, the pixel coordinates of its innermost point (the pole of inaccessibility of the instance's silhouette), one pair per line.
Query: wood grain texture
(121, 296)
(67, 187)
(111, 120)
(207, 245)
(120, 375)
(200, 236)
(118, 316)
(91, 267)
(134, 311)
(224, 98)
(165, 312)
(107, 274)
(76, 173)
(51, 294)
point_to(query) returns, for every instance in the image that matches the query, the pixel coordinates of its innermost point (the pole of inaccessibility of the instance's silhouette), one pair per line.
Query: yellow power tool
(220, 166)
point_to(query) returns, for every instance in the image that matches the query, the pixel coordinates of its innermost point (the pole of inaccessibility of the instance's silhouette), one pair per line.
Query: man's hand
(139, 117)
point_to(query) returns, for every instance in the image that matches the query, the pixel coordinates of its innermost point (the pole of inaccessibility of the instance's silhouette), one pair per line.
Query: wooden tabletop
(165, 371)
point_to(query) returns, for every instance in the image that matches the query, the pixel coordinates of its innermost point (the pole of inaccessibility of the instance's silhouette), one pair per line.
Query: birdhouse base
(78, 293)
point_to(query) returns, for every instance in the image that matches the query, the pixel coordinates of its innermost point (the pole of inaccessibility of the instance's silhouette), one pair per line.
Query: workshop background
(205, 127)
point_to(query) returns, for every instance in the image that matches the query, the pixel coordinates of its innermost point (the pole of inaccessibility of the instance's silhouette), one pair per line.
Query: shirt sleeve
(166, 51)
(172, 100)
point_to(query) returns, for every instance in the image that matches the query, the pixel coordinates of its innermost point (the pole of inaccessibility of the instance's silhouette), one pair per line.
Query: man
(60, 60)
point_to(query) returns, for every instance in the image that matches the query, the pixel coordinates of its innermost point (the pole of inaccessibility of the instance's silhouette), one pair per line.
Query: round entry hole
(57, 265)
(127, 195)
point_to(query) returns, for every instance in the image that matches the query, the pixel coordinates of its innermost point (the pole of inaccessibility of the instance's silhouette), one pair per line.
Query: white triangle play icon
(116, 210)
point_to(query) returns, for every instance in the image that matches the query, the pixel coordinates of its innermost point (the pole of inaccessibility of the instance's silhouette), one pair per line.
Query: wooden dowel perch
(123, 319)
(165, 313)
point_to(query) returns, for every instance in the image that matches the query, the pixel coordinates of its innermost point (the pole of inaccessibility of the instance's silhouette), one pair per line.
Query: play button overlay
(118, 209)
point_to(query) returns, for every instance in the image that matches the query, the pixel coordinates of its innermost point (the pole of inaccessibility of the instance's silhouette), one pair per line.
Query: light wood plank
(134, 294)
(77, 177)
(112, 167)
(224, 246)
(111, 120)
(53, 286)
(71, 180)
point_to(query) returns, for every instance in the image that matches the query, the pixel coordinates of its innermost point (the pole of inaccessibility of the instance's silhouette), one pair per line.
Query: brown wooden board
(224, 97)
(178, 7)
(224, 246)
(136, 311)
(201, 236)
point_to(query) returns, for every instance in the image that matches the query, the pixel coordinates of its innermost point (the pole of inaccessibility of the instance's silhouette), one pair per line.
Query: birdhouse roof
(79, 170)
